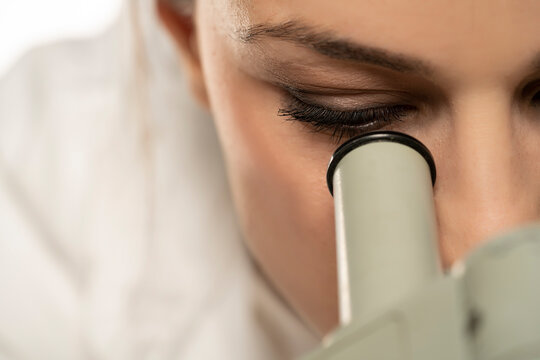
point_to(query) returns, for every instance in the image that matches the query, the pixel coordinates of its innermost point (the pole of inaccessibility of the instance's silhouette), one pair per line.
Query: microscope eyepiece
(376, 136)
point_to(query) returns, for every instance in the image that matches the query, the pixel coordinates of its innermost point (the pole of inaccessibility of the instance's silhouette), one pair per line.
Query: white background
(27, 23)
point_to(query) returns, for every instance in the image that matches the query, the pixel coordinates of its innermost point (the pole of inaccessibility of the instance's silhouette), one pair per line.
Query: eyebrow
(331, 45)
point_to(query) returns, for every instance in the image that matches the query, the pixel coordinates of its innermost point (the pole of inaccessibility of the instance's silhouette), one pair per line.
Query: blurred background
(27, 23)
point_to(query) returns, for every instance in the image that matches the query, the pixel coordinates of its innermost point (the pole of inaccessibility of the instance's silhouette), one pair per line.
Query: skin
(477, 110)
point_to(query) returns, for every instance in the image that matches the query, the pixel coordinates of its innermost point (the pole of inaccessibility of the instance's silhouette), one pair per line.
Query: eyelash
(342, 124)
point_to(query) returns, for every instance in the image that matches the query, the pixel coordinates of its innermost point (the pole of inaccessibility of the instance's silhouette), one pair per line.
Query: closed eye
(341, 124)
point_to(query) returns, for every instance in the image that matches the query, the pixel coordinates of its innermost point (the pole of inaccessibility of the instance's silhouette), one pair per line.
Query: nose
(489, 178)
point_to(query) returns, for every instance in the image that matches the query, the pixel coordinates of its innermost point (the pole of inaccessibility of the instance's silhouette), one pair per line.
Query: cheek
(277, 175)
(277, 168)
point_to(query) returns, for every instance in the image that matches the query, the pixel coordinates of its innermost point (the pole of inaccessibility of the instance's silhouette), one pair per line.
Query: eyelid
(349, 104)
(348, 100)
(291, 101)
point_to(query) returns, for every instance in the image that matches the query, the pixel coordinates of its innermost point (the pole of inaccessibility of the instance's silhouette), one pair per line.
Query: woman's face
(287, 81)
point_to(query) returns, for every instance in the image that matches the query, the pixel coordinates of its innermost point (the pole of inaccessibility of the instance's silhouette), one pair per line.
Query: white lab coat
(117, 235)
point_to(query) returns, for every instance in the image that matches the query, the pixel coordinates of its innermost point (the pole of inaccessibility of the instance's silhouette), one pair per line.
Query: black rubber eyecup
(377, 136)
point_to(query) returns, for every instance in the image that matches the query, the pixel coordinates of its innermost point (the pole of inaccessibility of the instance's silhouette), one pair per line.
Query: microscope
(395, 300)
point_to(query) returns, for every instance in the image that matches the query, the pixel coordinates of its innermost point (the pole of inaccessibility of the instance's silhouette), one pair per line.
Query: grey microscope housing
(395, 301)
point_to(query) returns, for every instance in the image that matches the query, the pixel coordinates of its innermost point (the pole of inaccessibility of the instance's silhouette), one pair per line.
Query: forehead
(450, 33)
(358, 18)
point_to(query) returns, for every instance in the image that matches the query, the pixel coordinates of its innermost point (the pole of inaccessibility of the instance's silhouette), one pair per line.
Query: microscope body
(396, 302)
